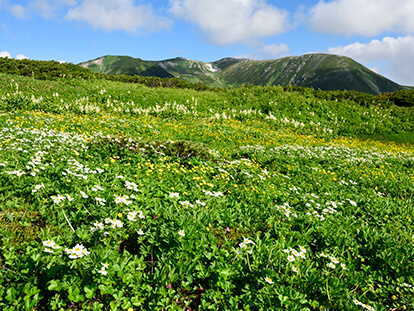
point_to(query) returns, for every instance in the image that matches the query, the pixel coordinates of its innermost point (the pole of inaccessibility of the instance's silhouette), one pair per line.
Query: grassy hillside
(319, 71)
(117, 196)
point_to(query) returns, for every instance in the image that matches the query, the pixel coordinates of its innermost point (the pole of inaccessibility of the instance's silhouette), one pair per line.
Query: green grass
(121, 197)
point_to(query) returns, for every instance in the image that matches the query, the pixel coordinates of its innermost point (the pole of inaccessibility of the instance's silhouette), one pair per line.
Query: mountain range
(320, 71)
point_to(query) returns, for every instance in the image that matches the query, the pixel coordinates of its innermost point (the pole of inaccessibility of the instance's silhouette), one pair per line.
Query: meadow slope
(118, 196)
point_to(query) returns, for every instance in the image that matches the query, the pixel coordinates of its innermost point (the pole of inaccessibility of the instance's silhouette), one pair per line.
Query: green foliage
(117, 196)
(403, 98)
(320, 71)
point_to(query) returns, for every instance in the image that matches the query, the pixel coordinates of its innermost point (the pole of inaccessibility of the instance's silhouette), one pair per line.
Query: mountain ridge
(317, 70)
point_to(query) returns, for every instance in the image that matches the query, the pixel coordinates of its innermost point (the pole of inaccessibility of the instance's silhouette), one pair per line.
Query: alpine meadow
(140, 193)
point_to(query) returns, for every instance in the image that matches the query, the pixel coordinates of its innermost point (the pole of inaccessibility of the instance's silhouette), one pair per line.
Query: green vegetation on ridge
(319, 71)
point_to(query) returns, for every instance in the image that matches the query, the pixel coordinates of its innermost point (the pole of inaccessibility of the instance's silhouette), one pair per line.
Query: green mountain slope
(320, 71)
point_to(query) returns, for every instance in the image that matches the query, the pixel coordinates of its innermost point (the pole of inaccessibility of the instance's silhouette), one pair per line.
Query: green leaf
(89, 291)
(54, 285)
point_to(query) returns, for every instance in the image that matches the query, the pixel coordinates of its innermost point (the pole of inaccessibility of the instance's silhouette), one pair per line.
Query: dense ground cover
(121, 197)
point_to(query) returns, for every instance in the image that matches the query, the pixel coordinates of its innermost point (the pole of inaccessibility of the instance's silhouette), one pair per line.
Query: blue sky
(376, 33)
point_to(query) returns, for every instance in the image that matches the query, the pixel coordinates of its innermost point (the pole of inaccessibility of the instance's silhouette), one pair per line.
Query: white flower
(116, 223)
(103, 271)
(343, 266)
(48, 243)
(84, 195)
(98, 225)
(357, 302)
(77, 252)
(174, 195)
(331, 265)
(140, 232)
(131, 216)
(291, 258)
(247, 241)
(269, 280)
(294, 269)
(48, 250)
(201, 203)
(334, 260)
(181, 232)
(57, 198)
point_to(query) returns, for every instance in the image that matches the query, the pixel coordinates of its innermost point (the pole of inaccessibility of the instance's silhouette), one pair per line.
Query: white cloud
(48, 8)
(18, 11)
(231, 21)
(393, 57)
(117, 15)
(44, 8)
(269, 51)
(5, 54)
(21, 56)
(362, 17)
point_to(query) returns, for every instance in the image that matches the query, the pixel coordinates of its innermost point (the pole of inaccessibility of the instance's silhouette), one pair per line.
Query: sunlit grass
(200, 200)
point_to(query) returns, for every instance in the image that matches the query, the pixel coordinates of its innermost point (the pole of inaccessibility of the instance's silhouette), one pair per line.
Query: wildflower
(343, 266)
(100, 201)
(116, 223)
(352, 202)
(77, 252)
(269, 280)
(118, 200)
(294, 269)
(331, 265)
(84, 195)
(48, 250)
(140, 232)
(103, 271)
(169, 286)
(357, 302)
(174, 195)
(291, 258)
(48, 243)
(96, 188)
(98, 225)
(131, 216)
(57, 198)
(247, 241)
(334, 260)
(228, 229)
(181, 232)
(201, 203)
(38, 187)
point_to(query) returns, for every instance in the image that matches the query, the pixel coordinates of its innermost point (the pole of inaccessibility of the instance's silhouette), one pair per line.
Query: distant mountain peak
(317, 70)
